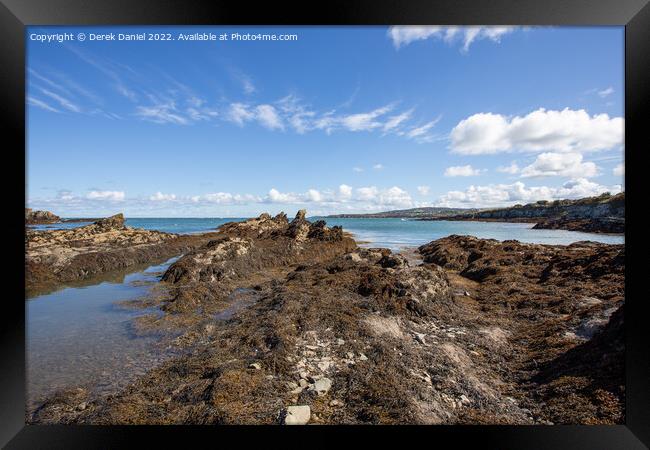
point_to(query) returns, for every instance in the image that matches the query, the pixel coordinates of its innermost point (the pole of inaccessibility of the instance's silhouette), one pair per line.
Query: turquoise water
(398, 233)
(390, 233)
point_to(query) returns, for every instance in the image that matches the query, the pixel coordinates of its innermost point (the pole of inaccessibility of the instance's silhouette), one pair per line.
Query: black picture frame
(633, 14)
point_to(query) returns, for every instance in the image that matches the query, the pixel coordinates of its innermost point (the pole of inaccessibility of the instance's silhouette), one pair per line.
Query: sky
(331, 119)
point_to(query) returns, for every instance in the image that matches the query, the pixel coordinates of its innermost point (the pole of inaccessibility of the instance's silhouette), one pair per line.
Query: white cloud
(345, 192)
(541, 130)
(314, 196)
(276, 196)
(606, 92)
(378, 166)
(560, 164)
(160, 197)
(239, 113)
(268, 117)
(424, 190)
(508, 194)
(106, 195)
(404, 35)
(225, 198)
(462, 171)
(393, 197)
(394, 121)
(619, 170)
(512, 169)
(357, 169)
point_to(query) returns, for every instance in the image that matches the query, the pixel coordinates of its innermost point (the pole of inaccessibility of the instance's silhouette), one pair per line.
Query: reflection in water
(77, 336)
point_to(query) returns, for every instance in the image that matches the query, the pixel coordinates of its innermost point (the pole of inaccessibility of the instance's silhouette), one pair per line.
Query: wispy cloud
(41, 104)
(606, 92)
(404, 35)
(64, 102)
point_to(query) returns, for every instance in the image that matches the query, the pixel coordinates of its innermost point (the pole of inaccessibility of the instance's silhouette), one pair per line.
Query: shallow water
(78, 336)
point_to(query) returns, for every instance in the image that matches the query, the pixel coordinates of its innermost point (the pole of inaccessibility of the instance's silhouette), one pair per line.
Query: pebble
(322, 386)
(256, 366)
(420, 338)
(336, 403)
(297, 415)
(324, 365)
(340, 342)
(362, 357)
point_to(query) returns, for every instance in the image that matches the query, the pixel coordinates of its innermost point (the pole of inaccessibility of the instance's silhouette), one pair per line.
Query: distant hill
(413, 213)
(601, 214)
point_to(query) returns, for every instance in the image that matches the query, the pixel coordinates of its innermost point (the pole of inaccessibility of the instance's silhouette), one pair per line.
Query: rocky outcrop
(601, 214)
(614, 225)
(55, 257)
(250, 247)
(40, 217)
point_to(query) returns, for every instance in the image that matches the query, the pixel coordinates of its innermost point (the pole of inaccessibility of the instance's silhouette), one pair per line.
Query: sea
(80, 336)
(390, 233)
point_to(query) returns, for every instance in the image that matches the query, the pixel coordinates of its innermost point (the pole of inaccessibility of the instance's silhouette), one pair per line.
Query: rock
(256, 366)
(40, 217)
(420, 338)
(362, 357)
(297, 415)
(321, 386)
(336, 402)
(116, 221)
(324, 365)
(340, 342)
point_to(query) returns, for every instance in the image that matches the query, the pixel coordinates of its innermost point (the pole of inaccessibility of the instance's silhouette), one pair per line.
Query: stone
(297, 415)
(340, 342)
(256, 366)
(336, 402)
(324, 365)
(420, 338)
(362, 357)
(321, 386)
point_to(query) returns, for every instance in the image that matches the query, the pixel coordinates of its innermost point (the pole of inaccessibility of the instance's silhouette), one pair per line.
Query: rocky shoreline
(291, 322)
(602, 214)
(56, 257)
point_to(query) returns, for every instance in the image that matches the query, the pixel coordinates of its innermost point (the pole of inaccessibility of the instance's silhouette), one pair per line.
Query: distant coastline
(601, 214)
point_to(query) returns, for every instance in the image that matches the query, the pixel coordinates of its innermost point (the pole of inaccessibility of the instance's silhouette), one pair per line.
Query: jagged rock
(116, 221)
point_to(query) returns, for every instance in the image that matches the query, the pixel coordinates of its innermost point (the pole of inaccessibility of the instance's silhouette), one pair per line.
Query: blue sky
(342, 119)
